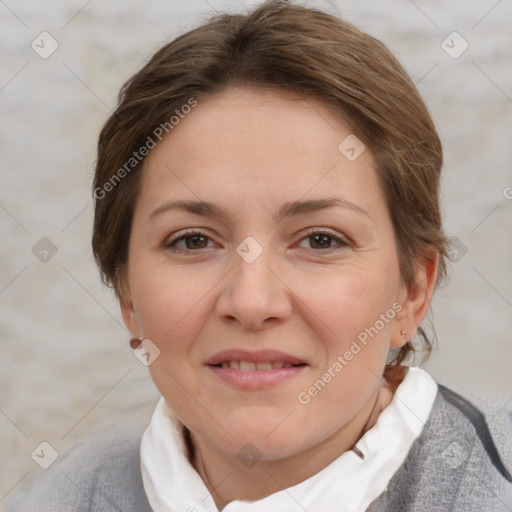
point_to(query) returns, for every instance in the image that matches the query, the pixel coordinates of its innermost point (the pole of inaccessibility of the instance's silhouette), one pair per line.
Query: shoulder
(101, 473)
(485, 430)
(460, 462)
(474, 450)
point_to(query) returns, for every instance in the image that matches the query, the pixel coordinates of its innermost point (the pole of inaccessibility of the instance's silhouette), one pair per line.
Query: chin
(273, 441)
(261, 448)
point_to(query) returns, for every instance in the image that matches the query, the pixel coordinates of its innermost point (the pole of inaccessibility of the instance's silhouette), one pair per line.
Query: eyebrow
(289, 209)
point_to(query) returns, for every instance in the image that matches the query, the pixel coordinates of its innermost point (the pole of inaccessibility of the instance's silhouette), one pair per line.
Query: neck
(228, 479)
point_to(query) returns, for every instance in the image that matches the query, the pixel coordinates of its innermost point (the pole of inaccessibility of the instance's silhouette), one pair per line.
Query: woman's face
(258, 238)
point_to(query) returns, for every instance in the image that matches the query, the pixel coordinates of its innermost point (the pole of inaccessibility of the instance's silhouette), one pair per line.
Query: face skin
(249, 152)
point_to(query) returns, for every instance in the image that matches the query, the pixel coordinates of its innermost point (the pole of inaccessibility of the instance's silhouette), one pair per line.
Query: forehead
(260, 144)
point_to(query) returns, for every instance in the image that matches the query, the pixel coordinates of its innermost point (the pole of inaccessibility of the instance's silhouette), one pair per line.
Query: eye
(323, 239)
(191, 240)
(195, 241)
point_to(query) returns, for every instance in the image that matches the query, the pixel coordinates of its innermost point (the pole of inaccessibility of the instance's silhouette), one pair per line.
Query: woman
(267, 213)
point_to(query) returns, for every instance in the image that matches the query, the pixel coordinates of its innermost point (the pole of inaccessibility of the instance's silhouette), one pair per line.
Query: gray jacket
(454, 465)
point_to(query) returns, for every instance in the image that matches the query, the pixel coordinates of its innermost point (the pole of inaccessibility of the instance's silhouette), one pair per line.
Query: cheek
(173, 305)
(170, 302)
(351, 299)
(355, 306)
(355, 339)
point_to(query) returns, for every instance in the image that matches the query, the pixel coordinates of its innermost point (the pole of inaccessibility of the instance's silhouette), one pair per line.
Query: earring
(135, 343)
(403, 333)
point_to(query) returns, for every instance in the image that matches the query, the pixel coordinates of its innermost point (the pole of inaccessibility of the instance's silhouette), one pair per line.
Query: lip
(255, 379)
(261, 356)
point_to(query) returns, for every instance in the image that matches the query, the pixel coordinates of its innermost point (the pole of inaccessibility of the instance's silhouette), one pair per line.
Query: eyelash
(313, 231)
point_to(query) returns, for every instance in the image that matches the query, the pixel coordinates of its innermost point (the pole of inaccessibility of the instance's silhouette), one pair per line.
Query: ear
(416, 300)
(127, 310)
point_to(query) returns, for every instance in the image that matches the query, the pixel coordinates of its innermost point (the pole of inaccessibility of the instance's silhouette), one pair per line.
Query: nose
(253, 295)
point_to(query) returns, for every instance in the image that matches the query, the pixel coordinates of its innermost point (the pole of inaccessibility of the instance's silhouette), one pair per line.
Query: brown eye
(195, 242)
(323, 240)
(320, 241)
(191, 241)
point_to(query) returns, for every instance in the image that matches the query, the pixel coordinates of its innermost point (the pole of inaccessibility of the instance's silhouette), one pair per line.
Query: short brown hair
(283, 46)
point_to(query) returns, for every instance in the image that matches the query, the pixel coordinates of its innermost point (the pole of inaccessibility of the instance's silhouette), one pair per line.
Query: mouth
(255, 370)
(251, 366)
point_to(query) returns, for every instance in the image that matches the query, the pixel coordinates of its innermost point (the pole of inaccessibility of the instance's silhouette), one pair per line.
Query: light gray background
(66, 368)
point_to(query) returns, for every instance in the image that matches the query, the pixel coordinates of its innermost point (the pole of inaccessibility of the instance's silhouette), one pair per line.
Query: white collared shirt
(349, 483)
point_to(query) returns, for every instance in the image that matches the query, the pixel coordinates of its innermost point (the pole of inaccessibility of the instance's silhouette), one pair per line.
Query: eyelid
(176, 237)
(340, 238)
